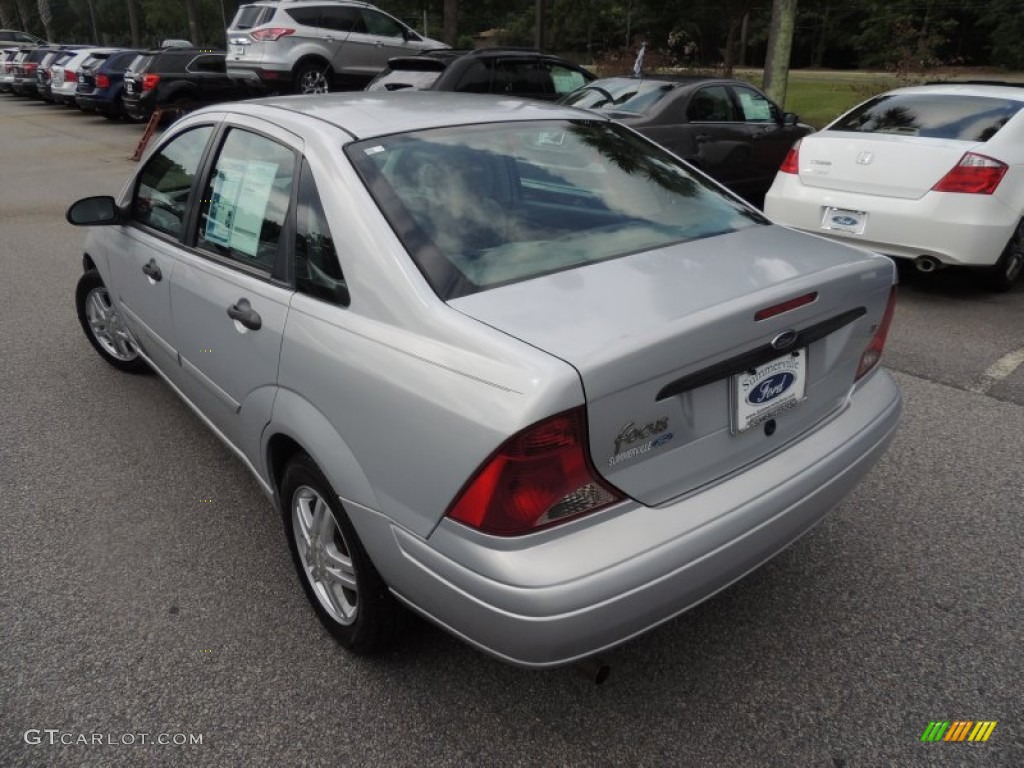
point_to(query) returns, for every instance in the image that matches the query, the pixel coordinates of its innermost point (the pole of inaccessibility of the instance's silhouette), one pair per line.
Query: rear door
(229, 293)
(373, 38)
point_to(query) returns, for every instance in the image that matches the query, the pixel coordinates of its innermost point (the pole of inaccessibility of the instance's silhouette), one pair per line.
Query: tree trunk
(819, 51)
(46, 17)
(95, 27)
(133, 23)
(5, 20)
(193, 22)
(539, 25)
(450, 34)
(23, 15)
(780, 45)
(742, 59)
(730, 44)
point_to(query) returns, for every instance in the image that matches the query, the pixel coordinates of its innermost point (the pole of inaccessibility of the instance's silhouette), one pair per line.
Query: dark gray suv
(313, 46)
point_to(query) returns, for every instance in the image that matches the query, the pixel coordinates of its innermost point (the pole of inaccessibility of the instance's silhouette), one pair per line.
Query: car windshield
(620, 96)
(934, 115)
(482, 206)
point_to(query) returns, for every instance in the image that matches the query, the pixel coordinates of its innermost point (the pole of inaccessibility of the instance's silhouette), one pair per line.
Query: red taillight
(974, 174)
(70, 76)
(539, 477)
(270, 34)
(873, 352)
(786, 306)
(149, 82)
(102, 81)
(791, 163)
(30, 67)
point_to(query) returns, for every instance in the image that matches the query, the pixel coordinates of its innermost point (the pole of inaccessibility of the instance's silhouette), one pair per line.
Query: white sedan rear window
(941, 116)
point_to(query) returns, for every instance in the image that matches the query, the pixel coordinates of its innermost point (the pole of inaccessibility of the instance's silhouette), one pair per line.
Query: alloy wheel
(325, 555)
(107, 327)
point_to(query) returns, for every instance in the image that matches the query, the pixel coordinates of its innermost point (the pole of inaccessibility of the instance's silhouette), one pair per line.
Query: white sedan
(933, 174)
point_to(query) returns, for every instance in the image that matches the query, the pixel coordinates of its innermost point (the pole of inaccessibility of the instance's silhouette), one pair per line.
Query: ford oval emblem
(784, 340)
(844, 221)
(771, 388)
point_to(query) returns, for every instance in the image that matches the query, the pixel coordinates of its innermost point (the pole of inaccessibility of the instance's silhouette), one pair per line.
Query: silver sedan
(508, 364)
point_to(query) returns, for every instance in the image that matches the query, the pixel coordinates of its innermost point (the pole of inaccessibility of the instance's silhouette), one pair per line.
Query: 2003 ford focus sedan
(508, 364)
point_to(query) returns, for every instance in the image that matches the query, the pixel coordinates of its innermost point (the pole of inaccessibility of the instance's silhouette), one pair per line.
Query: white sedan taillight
(974, 174)
(537, 478)
(791, 163)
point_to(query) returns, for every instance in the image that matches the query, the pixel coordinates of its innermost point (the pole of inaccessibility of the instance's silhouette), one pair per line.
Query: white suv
(315, 46)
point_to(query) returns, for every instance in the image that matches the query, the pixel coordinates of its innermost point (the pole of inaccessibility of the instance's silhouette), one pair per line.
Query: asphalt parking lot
(146, 590)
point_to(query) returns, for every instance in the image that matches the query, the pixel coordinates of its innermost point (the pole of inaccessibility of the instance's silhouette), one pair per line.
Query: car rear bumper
(258, 78)
(956, 229)
(572, 591)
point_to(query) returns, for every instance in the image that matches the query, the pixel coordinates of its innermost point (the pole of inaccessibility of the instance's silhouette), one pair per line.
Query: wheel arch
(312, 58)
(298, 426)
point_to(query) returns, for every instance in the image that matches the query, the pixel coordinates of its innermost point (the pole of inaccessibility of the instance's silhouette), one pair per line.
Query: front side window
(933, 115)
(566, 80)
(477, 207)
(161, 193)
(381, 25)
(317, 271)
(245, 204)
(711, 105)
(755, 106)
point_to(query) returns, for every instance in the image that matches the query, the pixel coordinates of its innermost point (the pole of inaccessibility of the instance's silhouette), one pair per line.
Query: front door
(143, 253)
(229, 295)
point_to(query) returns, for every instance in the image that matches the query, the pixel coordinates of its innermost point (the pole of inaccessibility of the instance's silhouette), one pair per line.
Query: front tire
(1004, 274)
(311, 79)
(104, 326)
(349, 596)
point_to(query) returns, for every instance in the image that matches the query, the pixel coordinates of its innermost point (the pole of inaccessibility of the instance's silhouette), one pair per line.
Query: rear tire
(1005, 273)
(349, 596)
(312, 78)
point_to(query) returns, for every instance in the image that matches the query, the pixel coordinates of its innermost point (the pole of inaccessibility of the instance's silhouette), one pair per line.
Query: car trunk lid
(659, 338)
(878, 164)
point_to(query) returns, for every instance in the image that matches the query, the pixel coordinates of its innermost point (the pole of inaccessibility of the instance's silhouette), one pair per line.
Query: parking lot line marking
(999, 370)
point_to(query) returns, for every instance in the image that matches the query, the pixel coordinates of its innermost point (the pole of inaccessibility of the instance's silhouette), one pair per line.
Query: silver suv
(315, 46)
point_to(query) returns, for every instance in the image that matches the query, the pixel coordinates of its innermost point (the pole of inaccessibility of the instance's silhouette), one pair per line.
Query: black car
(726, 128)
(101, 84)
(504, 71)
(177, 77)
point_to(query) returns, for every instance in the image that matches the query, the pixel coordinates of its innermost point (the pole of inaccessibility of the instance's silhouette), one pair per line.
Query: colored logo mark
(958, 730)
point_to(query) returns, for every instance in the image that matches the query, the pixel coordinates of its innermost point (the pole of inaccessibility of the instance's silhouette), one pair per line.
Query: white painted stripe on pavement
(999, 370)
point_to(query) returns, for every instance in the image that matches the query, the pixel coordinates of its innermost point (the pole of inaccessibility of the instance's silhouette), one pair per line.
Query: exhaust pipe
(927, 264)
(593, 668)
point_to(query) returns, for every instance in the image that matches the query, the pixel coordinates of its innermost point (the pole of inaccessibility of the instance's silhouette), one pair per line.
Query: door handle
(153, 271)
(243, 312)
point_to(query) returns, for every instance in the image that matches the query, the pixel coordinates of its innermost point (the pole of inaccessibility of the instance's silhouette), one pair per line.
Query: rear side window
(711, 105)
(317, 271)
(307, 17)
(161, 194)
(246, 200)
(250, 16)
(941, 116)
(341, 19)
(210, 63)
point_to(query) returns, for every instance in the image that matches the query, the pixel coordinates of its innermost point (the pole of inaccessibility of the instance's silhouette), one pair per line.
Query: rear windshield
(399, 79)
(250, 16)
(934, 115)
(622, 96)
(483, 206)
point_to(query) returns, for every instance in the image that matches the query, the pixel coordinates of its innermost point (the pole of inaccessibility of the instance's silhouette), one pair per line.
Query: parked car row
(116, 82)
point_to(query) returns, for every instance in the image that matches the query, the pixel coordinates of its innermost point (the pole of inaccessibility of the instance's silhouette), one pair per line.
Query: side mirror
(790, 119)
(94, 211)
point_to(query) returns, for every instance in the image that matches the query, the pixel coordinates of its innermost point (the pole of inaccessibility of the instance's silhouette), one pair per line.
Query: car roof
(367, 115)
(1011, 91)
(437, 59)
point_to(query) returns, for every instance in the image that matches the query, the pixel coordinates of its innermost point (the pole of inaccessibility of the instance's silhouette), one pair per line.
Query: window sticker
(241, 191)
(754, 107)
